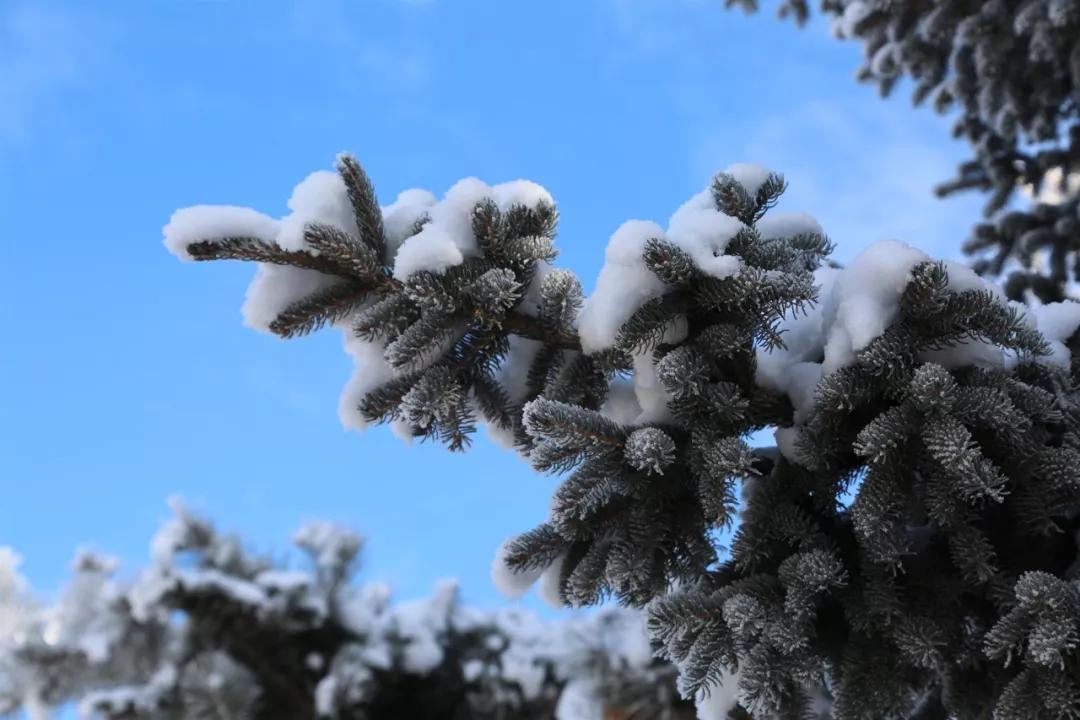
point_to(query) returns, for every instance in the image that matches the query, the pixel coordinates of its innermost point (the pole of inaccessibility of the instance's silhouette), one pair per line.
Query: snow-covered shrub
(210, 631)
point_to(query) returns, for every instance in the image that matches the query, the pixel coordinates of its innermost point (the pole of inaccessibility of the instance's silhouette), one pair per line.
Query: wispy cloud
(44, 53)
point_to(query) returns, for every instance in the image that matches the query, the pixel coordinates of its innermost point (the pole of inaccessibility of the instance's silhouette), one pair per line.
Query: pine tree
(1009, 71)
(212, 631)
(909, 548)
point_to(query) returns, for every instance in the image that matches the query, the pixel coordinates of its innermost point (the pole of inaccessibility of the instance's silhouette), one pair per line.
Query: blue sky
(126, 376)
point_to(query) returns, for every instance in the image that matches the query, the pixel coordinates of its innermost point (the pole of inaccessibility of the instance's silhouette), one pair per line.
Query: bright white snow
(215, 222)
(320, 197)
(748, 175)
(511, 582)
(624, 285)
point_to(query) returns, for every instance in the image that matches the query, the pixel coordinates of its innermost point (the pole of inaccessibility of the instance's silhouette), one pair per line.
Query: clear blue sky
(126, 376)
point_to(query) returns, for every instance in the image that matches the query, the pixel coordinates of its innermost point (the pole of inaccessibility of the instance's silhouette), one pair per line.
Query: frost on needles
(909, 548)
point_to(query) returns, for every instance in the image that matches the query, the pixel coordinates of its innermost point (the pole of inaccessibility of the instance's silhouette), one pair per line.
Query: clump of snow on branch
(704, 232)
(1057, 322)
(16, 606)
(865, 299)
(796, 368)
(216, 222)
(787, 224)
(370, 370)
(624, 285)
(855, 306)
(321, 197)
(447, 239)
(511, 582)
(749, 175)
(401, 216)
(720, 700)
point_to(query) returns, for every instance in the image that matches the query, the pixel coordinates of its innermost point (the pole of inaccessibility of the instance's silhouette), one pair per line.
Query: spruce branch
(365, 205)
(258, 250)
(322, 308)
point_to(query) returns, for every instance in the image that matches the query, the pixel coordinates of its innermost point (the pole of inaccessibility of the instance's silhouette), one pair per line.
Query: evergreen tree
(909, 548)
(211, 631)
(1010, 71)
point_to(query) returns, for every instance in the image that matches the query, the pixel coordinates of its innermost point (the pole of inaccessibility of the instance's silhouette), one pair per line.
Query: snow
(131, 699)
(145, 594)
(400, 217)
(750, 176)
(884, 61)
(795, 368)
(330, 545)
(213, 580)
(402, 430)
(421, 622)
(502, 437)
(855, 306)
(434, 249)
(320, 197)
(529, 652)
(521, 192)
(276, 287)
(1057, 322)
(623, 286)
(625, 283)
(81, 618)
(1050, 192)
(513, 374)
(548, 587)
(173, 535)
(787, 225)
(621, 404)
(325, 692)
(448, 239)
(865, 299)
(17, 609)
(371, 371)
(11, 581)
(532, 297)
(215, 222)
(284, 581)
(651, 395)
(580, 700)
(511, 582)
(720, 699)
(854, 13)
(362, 608)
(704, 232)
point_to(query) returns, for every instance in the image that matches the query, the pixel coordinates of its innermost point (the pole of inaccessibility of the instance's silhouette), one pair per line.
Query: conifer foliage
(212, 632)
(1009, 70)
(909, 548)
